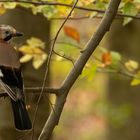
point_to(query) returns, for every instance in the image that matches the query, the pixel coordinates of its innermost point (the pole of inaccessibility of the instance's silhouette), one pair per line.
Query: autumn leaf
(2, 10)
(131, 65)
(136, 80)
(106, 58)
(26, 49)
(26, 58)
(72, 32)
(85, 2)
(33, 50)
(35, 42)
(65, 1)
(63, 10)
(38, 60)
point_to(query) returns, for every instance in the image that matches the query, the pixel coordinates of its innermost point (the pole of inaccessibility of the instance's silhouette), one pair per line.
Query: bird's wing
(11, 82)
(8, 90)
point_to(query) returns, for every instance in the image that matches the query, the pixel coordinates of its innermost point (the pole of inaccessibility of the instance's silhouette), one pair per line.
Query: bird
(11, 80)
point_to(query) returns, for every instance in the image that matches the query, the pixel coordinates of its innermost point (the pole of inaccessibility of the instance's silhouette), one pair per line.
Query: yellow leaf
(37, 51)
(85, 2)
(30, 50)
(26, 58)
(63, 10)
(38, 60)
(25, 49)
(35, 42)
(58, 58)
(2, 10)
(33, 50)
(136, 79)
(131, 65)
(135, 82)
(65, 1)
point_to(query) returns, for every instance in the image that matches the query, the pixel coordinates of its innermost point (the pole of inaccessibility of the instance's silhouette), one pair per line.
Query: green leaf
(47, 11)
(25, 5)
(10, 5)
(129, 9)
(100, 5)
(116, 58)
(89, 72)
(2, 10)
(67, 49)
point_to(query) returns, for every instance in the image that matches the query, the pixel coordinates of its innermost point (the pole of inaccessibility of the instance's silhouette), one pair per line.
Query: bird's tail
(21, 117)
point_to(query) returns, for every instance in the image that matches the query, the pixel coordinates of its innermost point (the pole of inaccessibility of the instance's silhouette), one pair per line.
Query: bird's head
(7, 32)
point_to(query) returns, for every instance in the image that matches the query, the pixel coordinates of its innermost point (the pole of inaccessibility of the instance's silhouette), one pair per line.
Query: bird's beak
(17, 34)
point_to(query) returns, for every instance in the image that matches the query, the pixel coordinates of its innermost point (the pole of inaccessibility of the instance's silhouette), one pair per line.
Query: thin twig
(51, 52)
(65, 57)
(36, 90)
(126, 74)
(48, 64)
(76, 18)
(46, 89)
(71, 44)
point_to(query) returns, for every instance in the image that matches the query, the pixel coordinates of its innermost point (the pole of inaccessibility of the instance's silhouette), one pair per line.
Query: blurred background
(102, 105)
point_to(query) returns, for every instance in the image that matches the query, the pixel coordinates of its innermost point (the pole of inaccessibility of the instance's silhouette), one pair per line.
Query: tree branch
(36, 90)
(48, 64)
(68, 5)
(46, 89)
(77, 69)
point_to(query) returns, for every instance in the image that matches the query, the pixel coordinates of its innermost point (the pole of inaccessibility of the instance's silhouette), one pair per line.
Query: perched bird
(11, 78)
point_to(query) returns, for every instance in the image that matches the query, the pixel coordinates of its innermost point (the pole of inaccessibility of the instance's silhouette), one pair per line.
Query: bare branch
(46, 89)
(36, 90)
(45, 78)
(77, 69)
(77, 18)
(65, 57)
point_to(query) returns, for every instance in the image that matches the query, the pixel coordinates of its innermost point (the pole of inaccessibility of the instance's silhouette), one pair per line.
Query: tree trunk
(124, 122)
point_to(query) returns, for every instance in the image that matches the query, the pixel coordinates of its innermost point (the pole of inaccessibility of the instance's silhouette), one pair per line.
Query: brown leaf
(72, 32)
(106, 58)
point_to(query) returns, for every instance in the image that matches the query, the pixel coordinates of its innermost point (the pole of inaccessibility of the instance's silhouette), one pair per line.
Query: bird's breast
(8, 56)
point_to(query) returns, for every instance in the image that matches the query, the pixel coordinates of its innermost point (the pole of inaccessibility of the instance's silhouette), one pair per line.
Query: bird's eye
(7, 32)
(7, 35)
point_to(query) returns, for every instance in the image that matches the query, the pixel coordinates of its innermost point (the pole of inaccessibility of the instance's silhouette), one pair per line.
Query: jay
(11, 78)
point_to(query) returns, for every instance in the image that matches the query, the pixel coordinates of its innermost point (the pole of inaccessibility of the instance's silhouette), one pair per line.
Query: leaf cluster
(111, 61)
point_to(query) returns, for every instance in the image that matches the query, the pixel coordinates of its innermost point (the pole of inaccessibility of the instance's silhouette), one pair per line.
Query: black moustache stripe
(8, 38)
